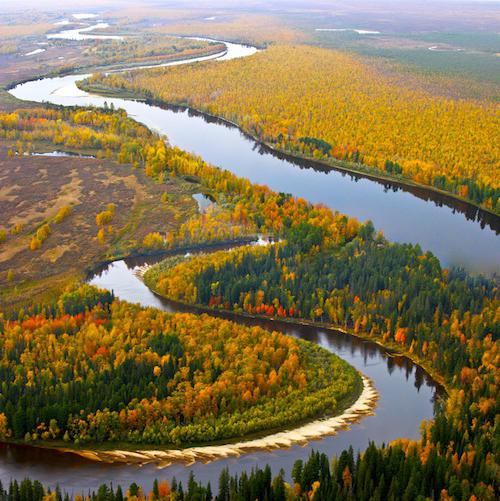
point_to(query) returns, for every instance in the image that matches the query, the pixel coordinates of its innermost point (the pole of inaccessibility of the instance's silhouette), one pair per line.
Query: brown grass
(22, 30)
(87, 186)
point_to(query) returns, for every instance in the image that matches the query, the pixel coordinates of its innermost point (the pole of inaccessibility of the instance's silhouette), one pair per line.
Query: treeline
(148, 48)
(397, 472)
(92, 369)
(331, 105)
(392, 291)
(254, 28)
(242, 208)
(109, 133)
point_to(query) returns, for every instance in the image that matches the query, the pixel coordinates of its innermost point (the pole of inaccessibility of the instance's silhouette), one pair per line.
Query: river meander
(406, 397)
(456, 232)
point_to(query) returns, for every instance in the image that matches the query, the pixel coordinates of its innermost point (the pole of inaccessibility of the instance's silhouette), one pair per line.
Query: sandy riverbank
(364, 406)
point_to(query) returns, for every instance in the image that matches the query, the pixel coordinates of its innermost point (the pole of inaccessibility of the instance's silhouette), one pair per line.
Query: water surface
(458, 233)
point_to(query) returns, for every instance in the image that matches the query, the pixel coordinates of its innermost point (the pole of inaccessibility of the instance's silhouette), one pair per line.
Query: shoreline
(401, 183)
(352, 410)
(340, 166)
(164, 253)
(362, 407)
(372, 176)
(391, 349)
(111, 68)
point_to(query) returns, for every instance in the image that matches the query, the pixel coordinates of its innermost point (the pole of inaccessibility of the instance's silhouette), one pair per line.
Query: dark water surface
(458, 233)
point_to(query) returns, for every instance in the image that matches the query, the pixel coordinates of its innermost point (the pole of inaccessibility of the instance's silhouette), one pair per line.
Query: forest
(108, 133)
(402, 299)
(445, 319)
(147, 49)
(333, 106)
(394, 293)
(91, 369)
(84, 370)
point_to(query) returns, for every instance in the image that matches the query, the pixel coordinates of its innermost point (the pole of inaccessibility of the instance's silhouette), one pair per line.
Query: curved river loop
(456, 232)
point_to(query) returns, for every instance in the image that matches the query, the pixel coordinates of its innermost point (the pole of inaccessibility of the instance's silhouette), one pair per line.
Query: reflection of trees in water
(471, 212)
(342, 344)
(390, 365)
(419, 378)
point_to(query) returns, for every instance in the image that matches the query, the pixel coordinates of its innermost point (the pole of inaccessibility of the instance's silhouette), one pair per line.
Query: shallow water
(83, 33)
(58, 154)
(203, 201)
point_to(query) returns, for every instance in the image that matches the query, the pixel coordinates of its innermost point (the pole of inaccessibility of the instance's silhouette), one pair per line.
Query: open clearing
(35, 188)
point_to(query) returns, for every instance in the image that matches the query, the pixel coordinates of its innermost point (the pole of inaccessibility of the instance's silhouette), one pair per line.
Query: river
(407, 396)
(457, 233)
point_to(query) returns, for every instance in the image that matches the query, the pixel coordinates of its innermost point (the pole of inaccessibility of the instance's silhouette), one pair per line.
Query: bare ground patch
(35, 188)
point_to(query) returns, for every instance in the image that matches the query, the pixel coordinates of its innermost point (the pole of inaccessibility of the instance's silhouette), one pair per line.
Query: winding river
(406, 396)
(457, 233)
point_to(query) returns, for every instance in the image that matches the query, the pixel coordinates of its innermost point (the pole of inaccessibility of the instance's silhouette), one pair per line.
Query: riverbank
(163, 253)
(363, 406)
(421, 214)
(401, 385)
(360, 170)
(391, 348)
(214, 52)
(332, 388)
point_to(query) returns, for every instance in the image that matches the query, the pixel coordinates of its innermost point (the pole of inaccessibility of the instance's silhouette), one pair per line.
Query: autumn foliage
(109, 134)
(92, 370)
(392, 293)
(331, 105)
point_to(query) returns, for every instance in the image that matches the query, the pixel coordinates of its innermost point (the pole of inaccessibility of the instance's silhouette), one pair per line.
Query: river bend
(457, 233)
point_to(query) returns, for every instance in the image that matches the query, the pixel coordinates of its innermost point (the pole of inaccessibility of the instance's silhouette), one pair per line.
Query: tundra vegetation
(64, 214)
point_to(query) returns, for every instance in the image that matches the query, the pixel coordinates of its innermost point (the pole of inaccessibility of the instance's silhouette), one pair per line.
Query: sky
(41, 4)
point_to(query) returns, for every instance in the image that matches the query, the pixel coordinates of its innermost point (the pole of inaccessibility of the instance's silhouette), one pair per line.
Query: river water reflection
(459, 234)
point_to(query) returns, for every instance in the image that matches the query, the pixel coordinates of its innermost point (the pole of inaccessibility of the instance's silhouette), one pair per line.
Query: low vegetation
(252, 28)
(62, 215)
